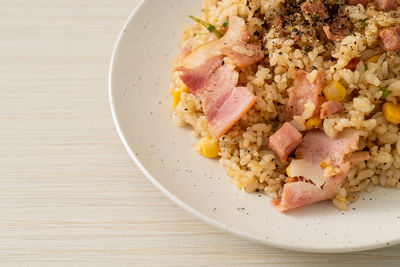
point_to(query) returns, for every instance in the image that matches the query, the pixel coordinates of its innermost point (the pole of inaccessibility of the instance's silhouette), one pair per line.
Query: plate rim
(187, 207)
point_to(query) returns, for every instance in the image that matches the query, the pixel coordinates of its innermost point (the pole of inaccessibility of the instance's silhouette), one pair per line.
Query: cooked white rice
(243, 150)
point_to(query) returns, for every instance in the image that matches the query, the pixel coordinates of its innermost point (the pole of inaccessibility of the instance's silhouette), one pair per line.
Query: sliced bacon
(301, 93)
(314, 10)
(338, 29)
(330, 108)
(315, 148)
(223, 103)
(301, 193)
(285, 141)
(206, 76)
(352, 65)
(385, 5)
(233, 44)
(391, 38)
(356, 2)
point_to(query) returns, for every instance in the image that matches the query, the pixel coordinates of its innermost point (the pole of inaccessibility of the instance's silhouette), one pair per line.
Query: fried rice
(299, 45)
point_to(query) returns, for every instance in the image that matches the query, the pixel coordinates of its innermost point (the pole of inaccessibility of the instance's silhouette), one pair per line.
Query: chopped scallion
(225, 23)
(385, 92)
(364, 22)
(208, 26)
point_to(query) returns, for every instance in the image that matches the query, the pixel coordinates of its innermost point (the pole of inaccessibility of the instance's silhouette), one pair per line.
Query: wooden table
(69, 193)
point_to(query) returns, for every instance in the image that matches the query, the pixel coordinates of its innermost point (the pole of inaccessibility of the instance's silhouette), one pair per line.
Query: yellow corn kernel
(176, 98)
(391, 112)
(287, 170)
(335, 91)
(209, 147)
(373, 59)
(313, 123)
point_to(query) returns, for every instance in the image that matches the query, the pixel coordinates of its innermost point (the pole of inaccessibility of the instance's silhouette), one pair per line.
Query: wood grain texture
(69, 193)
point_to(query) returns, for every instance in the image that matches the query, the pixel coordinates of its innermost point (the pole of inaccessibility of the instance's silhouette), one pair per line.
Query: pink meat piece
(391, 38)
(385, 5)
(338, 29)
(223, 103)
(301, 193)
(356, 2)
(233, 44)
(285, 141)
(329, 108)
(317, 147)
(314, 10)
(235, 40)
(206, 76)
(301, 93)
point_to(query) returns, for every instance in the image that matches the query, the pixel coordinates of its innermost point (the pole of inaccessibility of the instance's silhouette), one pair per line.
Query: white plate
(139, 79)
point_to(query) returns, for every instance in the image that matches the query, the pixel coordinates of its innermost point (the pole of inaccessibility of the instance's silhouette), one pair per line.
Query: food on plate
(298, 99)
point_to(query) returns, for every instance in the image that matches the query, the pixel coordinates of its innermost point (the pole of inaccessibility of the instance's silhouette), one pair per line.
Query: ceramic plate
(139, 80)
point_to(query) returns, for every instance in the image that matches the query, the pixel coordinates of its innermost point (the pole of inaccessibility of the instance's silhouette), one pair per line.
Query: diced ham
(276, 24)
(223, 103)
(356, 2)
(301, 93)
(330, 108)
(352, 65)
(315, 148)
(314, 10)
(285, 141)
(385, 5)
(391, 38)
(338, 29)
(233, 44)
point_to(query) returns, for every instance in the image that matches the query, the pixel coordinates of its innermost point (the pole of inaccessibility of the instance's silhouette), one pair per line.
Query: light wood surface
(69, 193)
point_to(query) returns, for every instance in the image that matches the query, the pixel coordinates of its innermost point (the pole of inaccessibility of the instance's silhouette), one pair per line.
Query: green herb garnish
(208, 26)
(364, 22)
(365, 67)
(315, 17)
(385, 92)
(225, 23)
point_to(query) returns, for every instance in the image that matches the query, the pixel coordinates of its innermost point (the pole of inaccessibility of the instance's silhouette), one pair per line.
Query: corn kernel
(287, 170)
(176, 98)
(335, 91)
(209, 147)
(391, 112)
(313, 123)
(373, 59)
